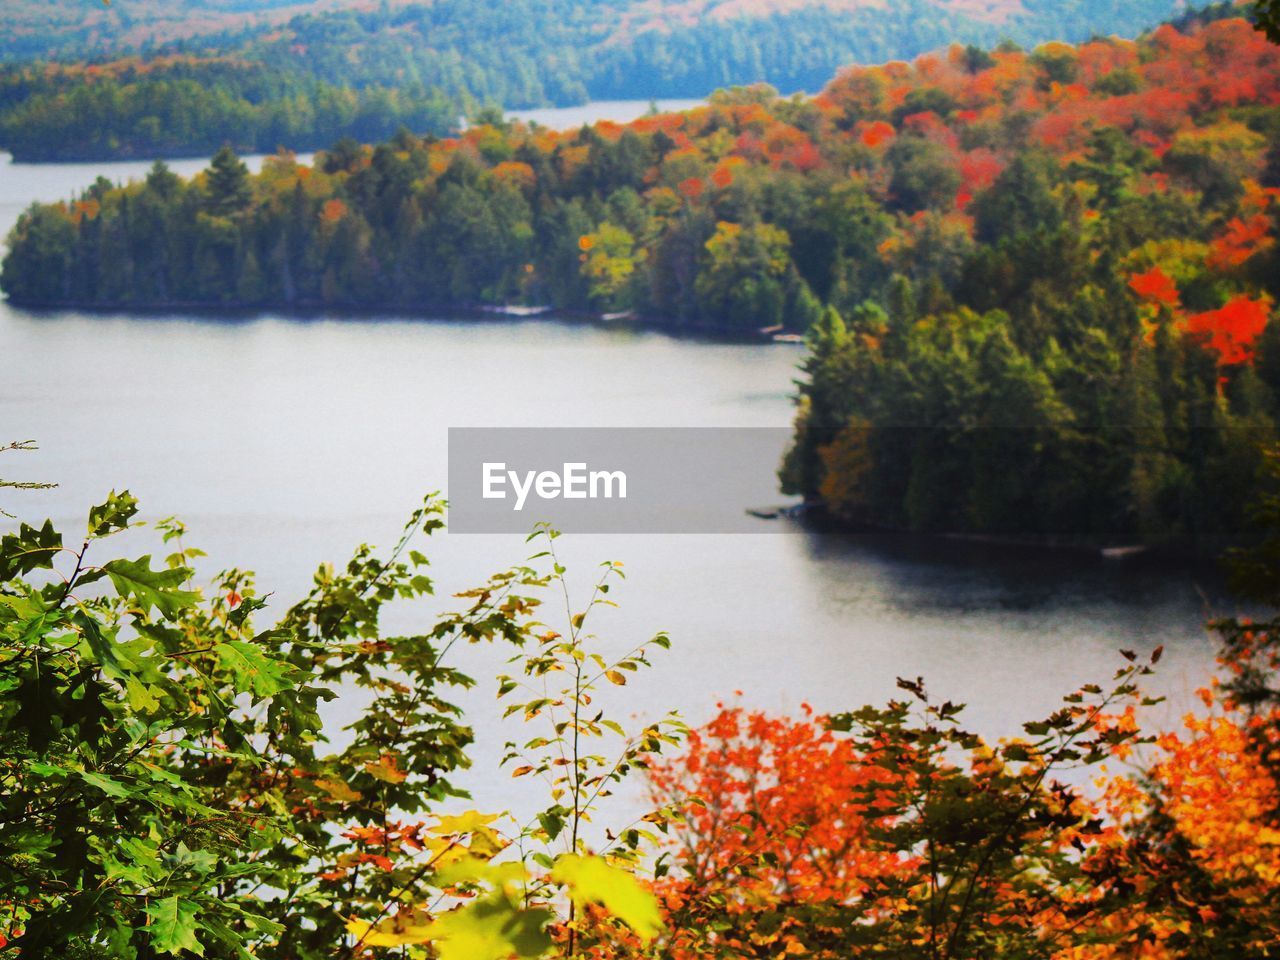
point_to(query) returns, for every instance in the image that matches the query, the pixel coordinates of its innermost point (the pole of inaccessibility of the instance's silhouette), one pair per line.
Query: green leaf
(248, 606)
(173, 926)
(591, 880)
(113, 515)
(233, 940)
(28, 549)
(552, 822)
(142, 697)
(117, 659)
(112, 788)
(151, 588)
(253, 669)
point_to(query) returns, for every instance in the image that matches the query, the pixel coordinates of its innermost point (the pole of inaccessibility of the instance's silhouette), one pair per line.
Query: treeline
(531, 53)
(1060, 263)
(185, 107)
(404, 63)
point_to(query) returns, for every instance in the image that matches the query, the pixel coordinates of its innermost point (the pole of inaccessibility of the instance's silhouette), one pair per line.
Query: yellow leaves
(491, 928)
(521, 771)
(464, 823)
(475, 933)
(616, 677)
(386, 768)
(485, 842)
(340, 791)
(592, 881)
(493, 925)
(609, 259)
(404, 929)
(444, 851)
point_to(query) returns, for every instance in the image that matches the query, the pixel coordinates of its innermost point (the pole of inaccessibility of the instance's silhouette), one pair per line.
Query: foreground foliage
(896, 832)
(167, 787)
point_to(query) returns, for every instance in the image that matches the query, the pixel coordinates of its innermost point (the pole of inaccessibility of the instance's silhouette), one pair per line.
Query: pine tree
(228, 183)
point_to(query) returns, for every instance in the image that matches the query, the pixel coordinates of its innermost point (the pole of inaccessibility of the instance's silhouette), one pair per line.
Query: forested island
(132, 84)
(1060, 259)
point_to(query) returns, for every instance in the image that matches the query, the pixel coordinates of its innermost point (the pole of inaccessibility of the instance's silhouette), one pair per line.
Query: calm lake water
(284, 442)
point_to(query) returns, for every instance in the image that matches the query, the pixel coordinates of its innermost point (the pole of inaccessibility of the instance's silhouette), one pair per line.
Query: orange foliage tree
(889, 831)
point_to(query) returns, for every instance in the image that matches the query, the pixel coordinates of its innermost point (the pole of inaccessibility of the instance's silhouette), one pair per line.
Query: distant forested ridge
(1070, 252)
(302, 81)
(177, 106)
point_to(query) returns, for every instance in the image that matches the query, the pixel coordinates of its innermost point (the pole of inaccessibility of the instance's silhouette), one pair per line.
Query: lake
(285, 441)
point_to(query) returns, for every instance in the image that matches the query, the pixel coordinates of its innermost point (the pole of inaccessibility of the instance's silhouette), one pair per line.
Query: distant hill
(533, 52)
(148, 77)
(74, 29)
(596, 45)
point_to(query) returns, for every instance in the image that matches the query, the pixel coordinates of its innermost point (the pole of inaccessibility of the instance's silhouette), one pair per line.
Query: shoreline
(815, 518)
(421, 312)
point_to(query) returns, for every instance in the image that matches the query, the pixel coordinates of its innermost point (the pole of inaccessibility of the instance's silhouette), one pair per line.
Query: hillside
(166, 80)
(530, 52)
(793, 44)
(76, 29)
(79, 29)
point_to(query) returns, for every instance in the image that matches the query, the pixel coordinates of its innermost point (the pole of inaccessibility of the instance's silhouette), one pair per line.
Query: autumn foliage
(1232, 330)
(743, 768)
(796, 843)
(1095, 835)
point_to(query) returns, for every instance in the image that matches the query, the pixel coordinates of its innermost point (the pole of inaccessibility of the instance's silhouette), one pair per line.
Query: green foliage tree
(169, 788)
(227, 183)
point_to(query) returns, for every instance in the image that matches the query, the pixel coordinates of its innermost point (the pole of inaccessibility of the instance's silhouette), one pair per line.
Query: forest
(185, 106)
(169, 788)
(1062, 258)
(1037, 289)
(424, 65)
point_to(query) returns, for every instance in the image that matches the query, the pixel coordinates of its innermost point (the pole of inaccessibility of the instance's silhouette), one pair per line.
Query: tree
(1267, 16)
(227, 184)
(609, 263)
(742, 282)
(924, 174)
(169, 789)
(891, 830)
